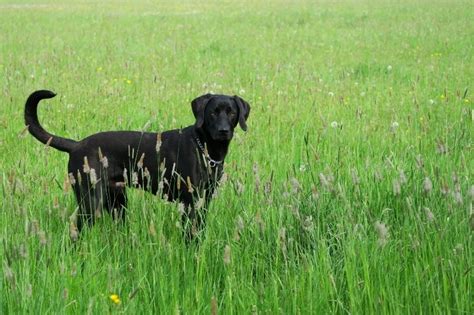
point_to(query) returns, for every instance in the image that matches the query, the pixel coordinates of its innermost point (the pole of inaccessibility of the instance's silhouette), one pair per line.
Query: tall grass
(351, 192)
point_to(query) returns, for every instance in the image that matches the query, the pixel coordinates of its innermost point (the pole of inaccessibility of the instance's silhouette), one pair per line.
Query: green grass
(305, 210)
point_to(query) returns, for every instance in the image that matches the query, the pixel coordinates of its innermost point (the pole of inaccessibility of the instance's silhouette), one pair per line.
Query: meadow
(351, 191)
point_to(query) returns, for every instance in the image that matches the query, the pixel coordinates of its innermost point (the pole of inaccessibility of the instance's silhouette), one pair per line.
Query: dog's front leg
(193, 218)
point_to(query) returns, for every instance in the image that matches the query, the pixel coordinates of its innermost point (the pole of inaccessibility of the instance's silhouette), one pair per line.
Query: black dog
(182, 164)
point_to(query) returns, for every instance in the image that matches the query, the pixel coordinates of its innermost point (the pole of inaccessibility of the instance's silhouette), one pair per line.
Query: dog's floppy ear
(198, 105)
(244, 111)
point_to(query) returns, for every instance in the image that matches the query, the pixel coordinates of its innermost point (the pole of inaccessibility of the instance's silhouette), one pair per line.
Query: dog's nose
(224, 131)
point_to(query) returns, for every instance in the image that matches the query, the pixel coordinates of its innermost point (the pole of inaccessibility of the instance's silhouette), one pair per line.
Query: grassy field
(351, 192)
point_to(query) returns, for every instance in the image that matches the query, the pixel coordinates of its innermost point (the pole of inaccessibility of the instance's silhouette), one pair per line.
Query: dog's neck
(217, 149)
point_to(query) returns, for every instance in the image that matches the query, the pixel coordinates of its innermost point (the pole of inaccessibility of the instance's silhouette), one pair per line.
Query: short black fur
(187, 166)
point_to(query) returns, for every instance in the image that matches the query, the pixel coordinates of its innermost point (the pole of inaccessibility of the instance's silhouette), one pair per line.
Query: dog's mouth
(223, 137)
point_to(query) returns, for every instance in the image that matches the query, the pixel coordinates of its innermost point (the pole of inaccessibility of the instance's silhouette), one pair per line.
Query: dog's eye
(213, 115)
(231, 114)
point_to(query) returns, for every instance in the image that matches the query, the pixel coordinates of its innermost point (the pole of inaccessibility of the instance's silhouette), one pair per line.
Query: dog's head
(218, 115)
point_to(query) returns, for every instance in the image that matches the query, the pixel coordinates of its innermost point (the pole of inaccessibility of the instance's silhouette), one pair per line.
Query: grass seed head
(402, 178)
(125, 175)
(105, 162)
(419, 161)
(382, 232)
(42, 238)
(73, 231)
(427, 185)
(152, 229)
(200, 203)
(314, 192)
(181, 209)
(429, 215)
(323, 180)
(283, 241)
(158, 143)
(213, 306)
(295, 185)
(396, 187)
(223, 179)
(441, 147)
(355, 177)
(239, 223)
(378, 175)
(33, 228)
(239, 187)
(86, 168)
(227, 255)
(471, 192)
(146, 174)
(72, 180)
(259, 221)
(457, 196)
(65, 293)
(394, 126)
(458, 249)
(135, 179)
(308, 224)
(93, 177)
(9, 274)
(140, 162)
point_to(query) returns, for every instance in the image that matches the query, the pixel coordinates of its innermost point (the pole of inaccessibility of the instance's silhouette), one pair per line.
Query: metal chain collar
(212, 163)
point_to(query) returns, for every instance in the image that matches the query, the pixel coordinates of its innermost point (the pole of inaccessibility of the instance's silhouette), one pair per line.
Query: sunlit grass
(351, 192)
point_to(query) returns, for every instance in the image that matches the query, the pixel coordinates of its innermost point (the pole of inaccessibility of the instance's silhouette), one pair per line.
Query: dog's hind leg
(117, 202)
(91, 203)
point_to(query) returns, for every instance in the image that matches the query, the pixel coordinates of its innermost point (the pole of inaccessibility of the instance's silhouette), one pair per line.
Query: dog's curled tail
(31, 121)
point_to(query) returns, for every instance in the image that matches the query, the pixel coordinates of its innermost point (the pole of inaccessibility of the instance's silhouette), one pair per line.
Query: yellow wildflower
(115, 298)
